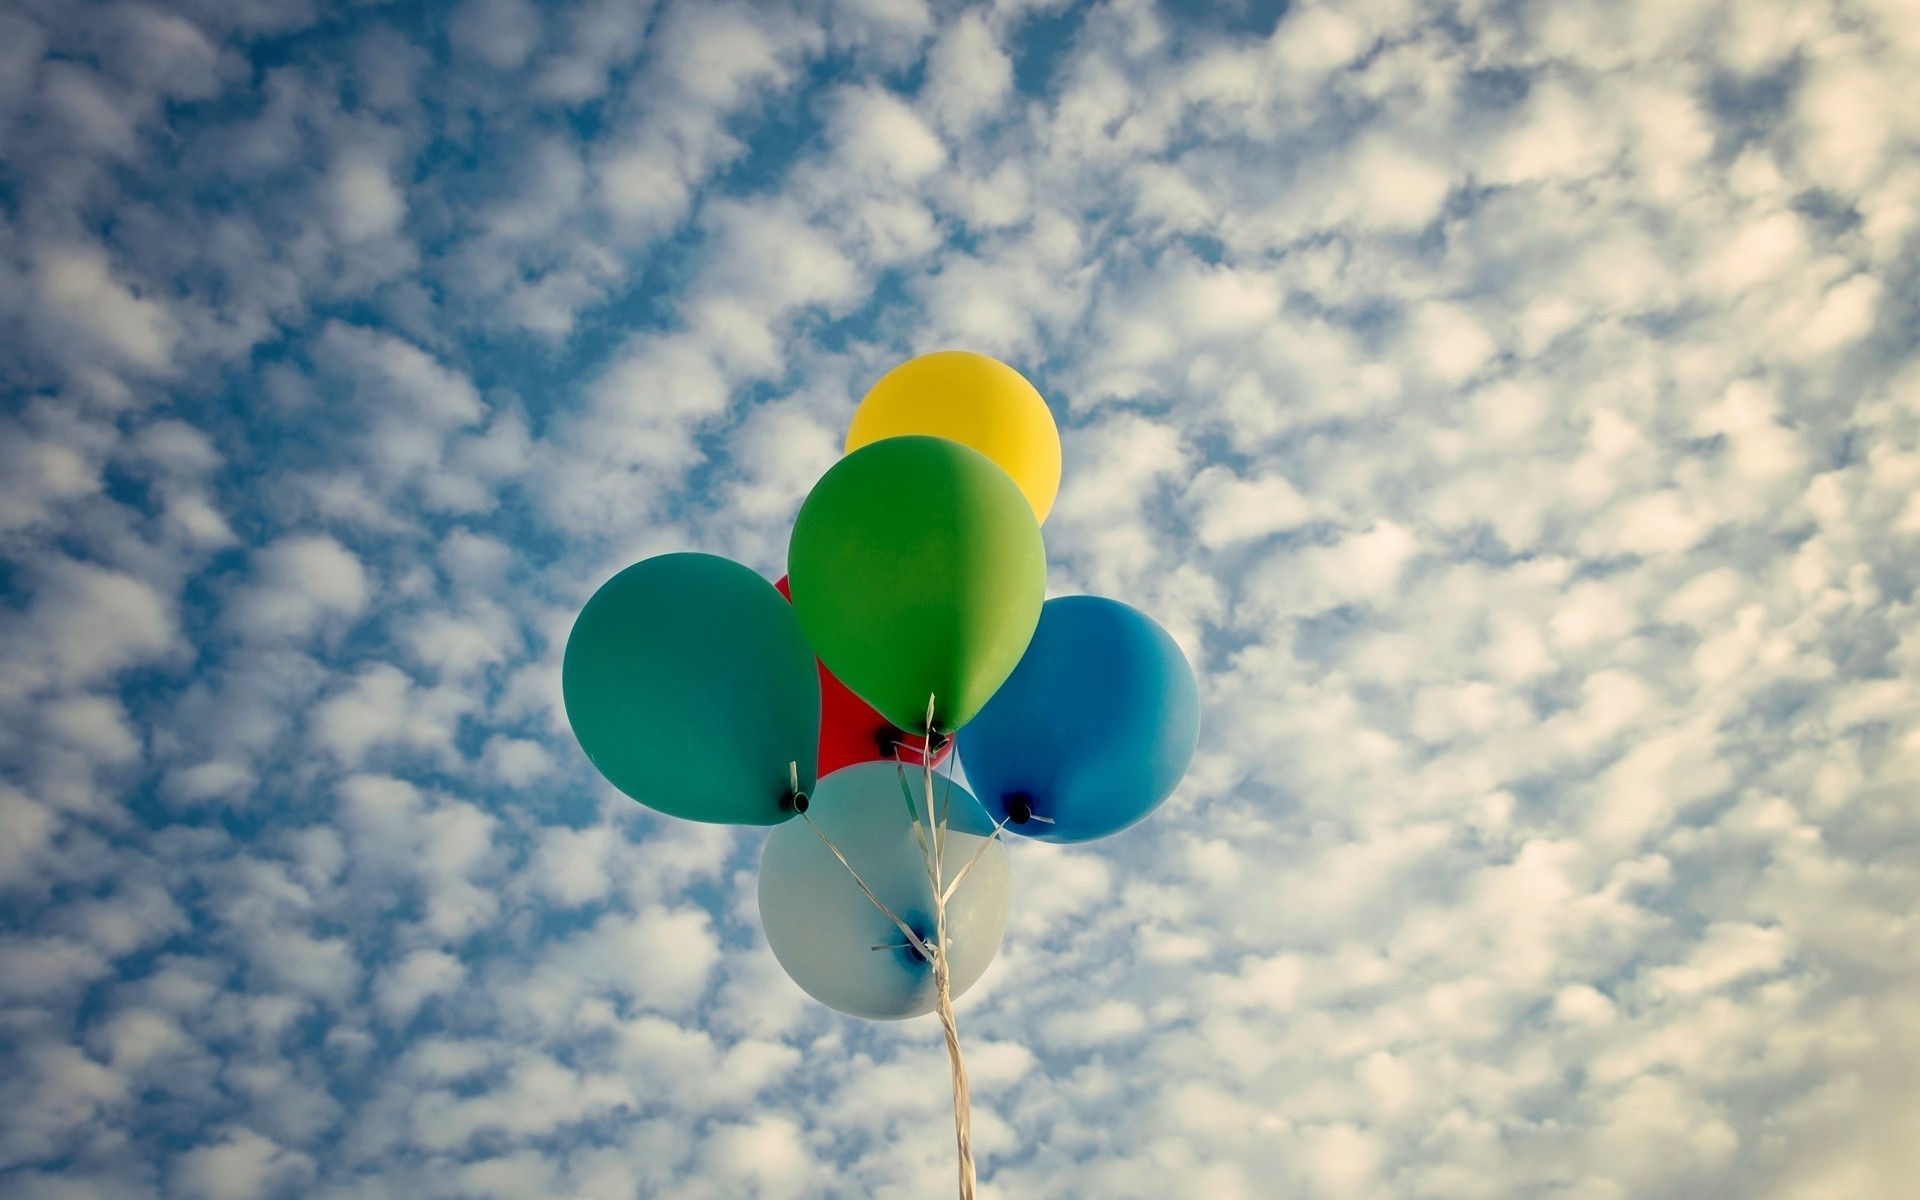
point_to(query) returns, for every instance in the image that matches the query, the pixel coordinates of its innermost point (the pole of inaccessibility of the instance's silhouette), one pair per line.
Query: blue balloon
(1092, 730)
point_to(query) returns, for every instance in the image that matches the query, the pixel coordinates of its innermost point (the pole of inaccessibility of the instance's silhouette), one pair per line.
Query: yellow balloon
(976, 401)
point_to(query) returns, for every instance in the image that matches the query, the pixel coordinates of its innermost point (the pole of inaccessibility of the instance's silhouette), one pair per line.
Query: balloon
(976, 401)
(691, 688)
(823, 928)
(917, 570)
(1094, 728)
(851, 732)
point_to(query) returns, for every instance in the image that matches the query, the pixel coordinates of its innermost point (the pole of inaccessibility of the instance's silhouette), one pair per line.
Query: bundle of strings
(932, 838)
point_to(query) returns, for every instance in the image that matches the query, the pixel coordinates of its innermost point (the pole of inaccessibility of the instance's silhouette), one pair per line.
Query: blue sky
(1511, 408)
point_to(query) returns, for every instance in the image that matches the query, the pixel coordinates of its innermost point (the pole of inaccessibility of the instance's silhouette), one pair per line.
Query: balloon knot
(795, 802)
(1019, 808)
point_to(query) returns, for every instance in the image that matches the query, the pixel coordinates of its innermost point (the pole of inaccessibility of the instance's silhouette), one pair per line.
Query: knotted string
(942, 976)
(931, 836)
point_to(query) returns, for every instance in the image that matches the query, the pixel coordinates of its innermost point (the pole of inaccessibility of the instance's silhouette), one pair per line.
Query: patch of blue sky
(1235, 19)
(1041, 40)
(881, 318)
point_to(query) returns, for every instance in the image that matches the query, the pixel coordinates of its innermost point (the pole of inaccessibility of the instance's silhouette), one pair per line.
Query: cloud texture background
(1512, 408)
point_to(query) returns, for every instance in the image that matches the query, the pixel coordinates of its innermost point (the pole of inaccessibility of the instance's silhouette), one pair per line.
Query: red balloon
(851, 732)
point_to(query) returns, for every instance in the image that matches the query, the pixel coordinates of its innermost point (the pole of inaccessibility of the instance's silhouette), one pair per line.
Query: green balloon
(917, 570)
(691, 688)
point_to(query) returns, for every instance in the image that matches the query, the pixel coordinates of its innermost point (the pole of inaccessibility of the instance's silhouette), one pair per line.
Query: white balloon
(823, 928)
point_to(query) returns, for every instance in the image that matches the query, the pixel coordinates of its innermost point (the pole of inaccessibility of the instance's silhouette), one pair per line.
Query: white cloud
(44, 469)
(770, 258)
(1756, 251)
(437, 851)
(1364, 566)
(968, 73)
(40, 968)
(30, 828)
(87, 623)
(1558, 136)
(299, 583)
(1845, 314)
(1342, 1159)
(1119, 468)
(517, 762)
(96, 725)
(659, 958)
(1729, 952)
(1447, 343)
(76, 288)
(363, 197)
(1000, 304)
(500, 33)
(883, 138)
(598, 36)
(459, 644)
(415, 979)
(1229, 509)
(167, 52)
(767, 1154)
(705, 63)
(1845, 113)
(72, 1091)
(1108, 1021)
(241, 1165)
(267, 913)
(636, 434)
(421, 432)
(571, 865)
(1317, 39)
(89, 109)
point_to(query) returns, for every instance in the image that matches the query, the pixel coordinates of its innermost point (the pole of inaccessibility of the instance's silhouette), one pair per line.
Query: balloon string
(985, 843)
(919, 827)
(942, 975)
(932, 844)
(913, 939)
(940, 830)
(962, 1103)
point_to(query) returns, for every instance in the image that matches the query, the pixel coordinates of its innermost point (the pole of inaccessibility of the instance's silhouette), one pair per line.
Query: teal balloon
(823, 928)
(691, 688)
(917, 570)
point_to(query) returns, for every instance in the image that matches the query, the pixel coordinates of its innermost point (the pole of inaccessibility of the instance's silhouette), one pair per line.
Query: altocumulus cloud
(1513, 409)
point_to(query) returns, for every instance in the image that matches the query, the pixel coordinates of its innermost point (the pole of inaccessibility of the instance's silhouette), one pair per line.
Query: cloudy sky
(1512, 406)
